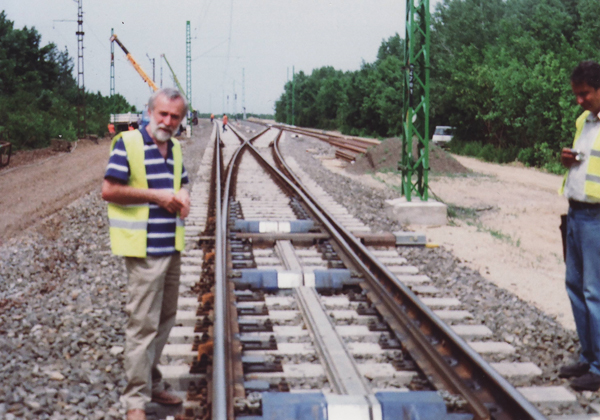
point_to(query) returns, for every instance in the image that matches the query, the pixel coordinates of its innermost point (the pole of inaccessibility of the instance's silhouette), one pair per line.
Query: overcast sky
(264, 37)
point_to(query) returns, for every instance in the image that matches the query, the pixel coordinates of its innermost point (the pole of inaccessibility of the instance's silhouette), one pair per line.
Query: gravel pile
(62, 298)
(61, 317)
(537, 337)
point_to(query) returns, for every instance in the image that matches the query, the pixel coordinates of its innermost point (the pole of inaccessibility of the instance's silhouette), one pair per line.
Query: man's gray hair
(171, 94)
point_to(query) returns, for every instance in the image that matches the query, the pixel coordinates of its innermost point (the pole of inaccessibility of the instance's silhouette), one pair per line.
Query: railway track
(291, 309)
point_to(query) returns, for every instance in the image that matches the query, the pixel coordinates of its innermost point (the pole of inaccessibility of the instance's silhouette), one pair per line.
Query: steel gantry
(81, 123)
(112, 64)
(415, 146)
(188, 65)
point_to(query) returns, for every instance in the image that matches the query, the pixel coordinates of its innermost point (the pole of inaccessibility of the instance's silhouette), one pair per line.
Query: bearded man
(147, 205)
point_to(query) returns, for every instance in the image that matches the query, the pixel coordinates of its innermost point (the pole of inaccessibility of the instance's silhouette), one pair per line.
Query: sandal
(165, 398)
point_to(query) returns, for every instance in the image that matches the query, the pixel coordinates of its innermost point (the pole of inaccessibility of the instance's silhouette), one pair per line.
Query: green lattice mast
(415, 167)
(188, 68)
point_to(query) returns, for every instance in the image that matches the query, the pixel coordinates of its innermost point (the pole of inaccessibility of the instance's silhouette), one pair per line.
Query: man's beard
(160, 132)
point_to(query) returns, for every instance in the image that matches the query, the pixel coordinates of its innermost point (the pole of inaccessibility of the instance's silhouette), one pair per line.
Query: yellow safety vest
(129, 223)
(592, 177)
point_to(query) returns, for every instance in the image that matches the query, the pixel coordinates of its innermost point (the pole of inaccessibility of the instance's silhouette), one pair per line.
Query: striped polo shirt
(159, 174)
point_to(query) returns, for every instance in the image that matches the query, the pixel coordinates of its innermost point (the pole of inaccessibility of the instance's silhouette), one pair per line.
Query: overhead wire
(207, 51)
(228, 42)
(103, 44)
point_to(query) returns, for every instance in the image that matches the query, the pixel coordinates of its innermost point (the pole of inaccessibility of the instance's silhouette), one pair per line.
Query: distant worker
(147, 205)
(212, 117)
(582, 188)
(111, 129)
(130, 127)
(224, 123)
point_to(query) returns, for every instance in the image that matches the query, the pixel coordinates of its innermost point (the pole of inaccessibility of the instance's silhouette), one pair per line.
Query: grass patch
(471, 217)
(462, 213)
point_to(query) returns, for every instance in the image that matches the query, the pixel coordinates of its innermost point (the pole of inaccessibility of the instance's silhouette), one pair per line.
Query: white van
(442, 135)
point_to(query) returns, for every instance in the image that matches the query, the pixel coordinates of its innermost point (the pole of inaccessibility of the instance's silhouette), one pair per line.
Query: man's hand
(184, 198)
(568, 158)
(168, 201)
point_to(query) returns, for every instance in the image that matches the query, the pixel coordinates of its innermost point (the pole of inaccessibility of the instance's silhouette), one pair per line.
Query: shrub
(527, 156)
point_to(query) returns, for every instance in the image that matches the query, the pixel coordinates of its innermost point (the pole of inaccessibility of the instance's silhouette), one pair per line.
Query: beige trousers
(153, 288)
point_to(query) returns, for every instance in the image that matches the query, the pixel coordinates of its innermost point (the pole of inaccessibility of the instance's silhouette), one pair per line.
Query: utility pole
(153, 62)
(188, 66)
(81, 125)
(289, 99)
(416, 101)
(293, 93)
(244, 93)
(234, 101)
(112, 64)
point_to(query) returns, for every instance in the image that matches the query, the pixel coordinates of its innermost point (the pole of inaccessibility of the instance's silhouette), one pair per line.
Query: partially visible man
(147, 205)
(582, 188)
(225, 119)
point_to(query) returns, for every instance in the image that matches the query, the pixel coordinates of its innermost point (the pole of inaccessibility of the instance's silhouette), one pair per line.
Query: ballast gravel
(62, 296)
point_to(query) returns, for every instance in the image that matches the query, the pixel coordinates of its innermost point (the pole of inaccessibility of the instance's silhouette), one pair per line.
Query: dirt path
(32, 190)
(37, 183)
(508, 229)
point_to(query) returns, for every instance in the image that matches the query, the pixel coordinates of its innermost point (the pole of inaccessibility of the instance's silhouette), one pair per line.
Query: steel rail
(220, 404)
(479, 384)
(342, 371)
(229, 341)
